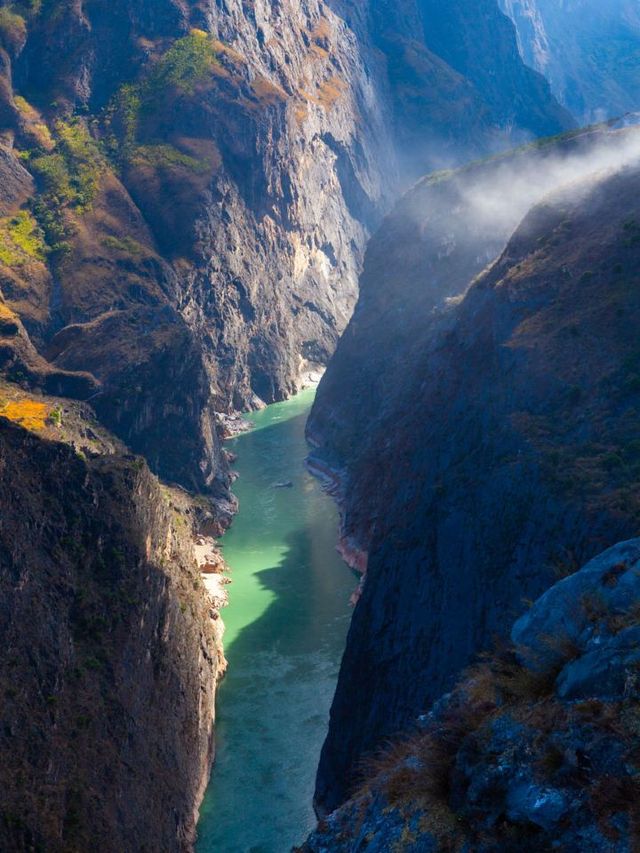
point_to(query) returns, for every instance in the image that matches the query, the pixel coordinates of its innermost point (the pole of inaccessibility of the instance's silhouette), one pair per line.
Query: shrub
(21, 240)
(53, 174)
(69, 177)
(83, 158)
(125, 244)
(55, 416)
(168, 156)
(184, 65)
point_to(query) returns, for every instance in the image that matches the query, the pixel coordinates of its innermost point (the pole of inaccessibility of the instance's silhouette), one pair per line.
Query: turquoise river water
(285, 631)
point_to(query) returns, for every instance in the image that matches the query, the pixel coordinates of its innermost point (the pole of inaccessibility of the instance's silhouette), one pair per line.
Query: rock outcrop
(110, 653)
(485, 442)
(535, 749)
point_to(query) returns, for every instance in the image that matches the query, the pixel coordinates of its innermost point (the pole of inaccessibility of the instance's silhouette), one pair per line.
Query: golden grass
(6, 313)
(322, 30)
(26, 413)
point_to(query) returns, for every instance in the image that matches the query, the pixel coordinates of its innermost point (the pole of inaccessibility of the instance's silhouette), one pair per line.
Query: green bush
(185, 64)
(69, 177)
(53, 174)
(21, 239)
(83, 158)
(167, 155)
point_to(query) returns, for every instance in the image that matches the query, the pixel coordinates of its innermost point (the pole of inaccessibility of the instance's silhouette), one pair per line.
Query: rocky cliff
(110, 652)
(586, 49)
(535, 749)
(189, 188)
(486, 442)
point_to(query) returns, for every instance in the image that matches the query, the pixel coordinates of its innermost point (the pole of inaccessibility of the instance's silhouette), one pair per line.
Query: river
(286, 627)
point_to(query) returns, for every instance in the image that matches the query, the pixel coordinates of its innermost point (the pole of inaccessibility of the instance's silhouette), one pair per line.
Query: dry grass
(267, 92)
(330, 92)
(26, 413)
(301, 113)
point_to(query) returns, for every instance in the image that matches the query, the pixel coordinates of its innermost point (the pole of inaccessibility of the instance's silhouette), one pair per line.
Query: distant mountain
(589, 50)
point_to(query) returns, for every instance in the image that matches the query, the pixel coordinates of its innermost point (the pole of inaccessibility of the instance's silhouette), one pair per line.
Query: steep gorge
(186, 190)
(205, 178)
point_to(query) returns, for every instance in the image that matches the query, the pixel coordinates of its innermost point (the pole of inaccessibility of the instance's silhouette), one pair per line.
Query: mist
(504, 194)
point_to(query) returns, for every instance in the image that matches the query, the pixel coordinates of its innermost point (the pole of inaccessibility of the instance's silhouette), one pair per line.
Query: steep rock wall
(496, 436)
(534, 749)
(110, 652)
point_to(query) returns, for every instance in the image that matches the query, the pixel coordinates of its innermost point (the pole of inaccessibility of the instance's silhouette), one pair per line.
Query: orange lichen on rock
(27, 413)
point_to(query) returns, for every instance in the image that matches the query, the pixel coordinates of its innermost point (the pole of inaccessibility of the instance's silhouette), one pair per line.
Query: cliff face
(585, 49)
(535, 749)
(496, 440)
(110, 655)
(188, 187)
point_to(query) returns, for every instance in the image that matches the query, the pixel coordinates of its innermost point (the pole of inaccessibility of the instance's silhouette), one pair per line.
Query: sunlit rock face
(587, 50)
(476, 421)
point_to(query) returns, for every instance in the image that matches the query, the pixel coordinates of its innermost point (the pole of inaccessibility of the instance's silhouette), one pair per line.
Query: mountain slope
(535, 748)
(111, 656)
(494, 440)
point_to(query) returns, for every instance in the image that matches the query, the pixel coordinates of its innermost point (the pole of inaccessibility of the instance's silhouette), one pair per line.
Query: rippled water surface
(285, 632)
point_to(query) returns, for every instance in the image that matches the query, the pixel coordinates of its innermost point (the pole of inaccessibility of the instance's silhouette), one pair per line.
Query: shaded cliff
(535, 749)
(587, 50)
(110, 655)
(494, 438)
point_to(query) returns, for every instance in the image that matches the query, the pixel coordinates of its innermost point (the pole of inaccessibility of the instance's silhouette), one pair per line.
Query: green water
(285, 631)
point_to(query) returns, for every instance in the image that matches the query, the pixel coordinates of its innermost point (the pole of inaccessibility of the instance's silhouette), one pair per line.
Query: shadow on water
(273, 704)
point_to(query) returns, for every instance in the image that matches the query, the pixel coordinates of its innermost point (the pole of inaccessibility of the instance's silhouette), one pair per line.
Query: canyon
(199, 211)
